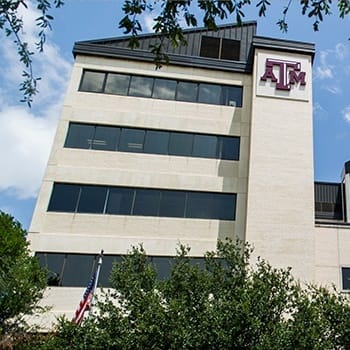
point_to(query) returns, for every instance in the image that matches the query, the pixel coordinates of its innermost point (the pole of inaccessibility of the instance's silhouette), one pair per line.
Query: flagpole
(99, 264)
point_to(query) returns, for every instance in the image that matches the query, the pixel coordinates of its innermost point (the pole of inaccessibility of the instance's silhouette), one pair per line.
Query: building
(216, 144)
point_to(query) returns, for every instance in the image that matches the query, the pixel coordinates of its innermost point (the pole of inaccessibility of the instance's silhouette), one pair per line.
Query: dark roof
(188, 55)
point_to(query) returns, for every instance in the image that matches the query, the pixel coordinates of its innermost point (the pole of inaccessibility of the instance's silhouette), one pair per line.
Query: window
(105, 138)
(92, 199)
(143, 201)
(225, 49)
(92, 81)
(164, 89)
(117, 84)
(345, 272)
(110, 138)
(120, 201)
(64, 197)
(161, 88)
(180, 144)
(79, 136)
(131, 140)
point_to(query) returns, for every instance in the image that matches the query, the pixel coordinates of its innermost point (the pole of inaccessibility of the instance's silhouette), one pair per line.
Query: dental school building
(218, 143)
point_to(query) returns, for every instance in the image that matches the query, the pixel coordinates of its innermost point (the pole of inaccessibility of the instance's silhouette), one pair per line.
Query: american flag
(85, 303)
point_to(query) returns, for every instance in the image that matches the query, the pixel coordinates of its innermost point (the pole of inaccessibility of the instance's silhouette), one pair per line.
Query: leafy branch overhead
(12, 24)
(169, 17)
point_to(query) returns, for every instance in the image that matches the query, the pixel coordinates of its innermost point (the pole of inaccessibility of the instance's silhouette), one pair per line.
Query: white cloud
(333, 89)
(346, 113)
(325, 69)
(26, 135)
(149, 22)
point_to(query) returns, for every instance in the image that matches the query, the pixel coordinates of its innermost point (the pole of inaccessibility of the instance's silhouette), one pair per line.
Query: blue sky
(26, 134)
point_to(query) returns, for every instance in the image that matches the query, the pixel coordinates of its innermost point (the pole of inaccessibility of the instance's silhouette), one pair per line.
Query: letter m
(297, 77)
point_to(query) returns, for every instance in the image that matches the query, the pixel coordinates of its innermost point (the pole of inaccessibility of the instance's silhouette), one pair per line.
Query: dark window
(164, 89)
(229, 148)
(225, 49)
(78, 270)
(156, 142)
(205, 146)
(117, 84)
(186, 91)
(79, 136)
(209, 93)
(163, 266)
(131, 140)
(230, 50)
(141, 86)
(345, 271)
(146, 202)
(64, 197)
(92, 81)
(55, 264)
(199, 205)
(172, 204)
(231, 96)
(106, 269)
(120, 201)
(106, 138)
(92, 199)
(180, 144)
(223, 206)
(210, 47)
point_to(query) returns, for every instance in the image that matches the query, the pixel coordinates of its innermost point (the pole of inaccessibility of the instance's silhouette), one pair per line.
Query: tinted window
(117, 84)
(78, 270)
(230, 49)
(232, 96)
(229, 148)
(92, 199)
(105, 138)
(205, 146)
(131, 140)
(163, 266)
(106, 269)
(79, 136)
(187, 91)
(64, 198)
(54, 263)
(210, 47)
(223, 206)
(141, 86)
(199, 205)
(120, 201)
(92, 81)
(156, 142)
(209, 93)
(146, 202)
(164, 89)
(345, 278)
(172, 204)
(180, 144)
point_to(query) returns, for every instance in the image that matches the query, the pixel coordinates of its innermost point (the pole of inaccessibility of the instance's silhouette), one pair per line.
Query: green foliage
(22, 281)
(12, 24)
(225, 304)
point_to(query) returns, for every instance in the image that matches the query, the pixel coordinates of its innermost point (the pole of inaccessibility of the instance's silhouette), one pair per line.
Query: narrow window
(186, 91)
(345, 278)
(199, 205)
(209, 93)
(205, 146)
(232, 96)
(229, 148)
(92, 81)
(223, 206)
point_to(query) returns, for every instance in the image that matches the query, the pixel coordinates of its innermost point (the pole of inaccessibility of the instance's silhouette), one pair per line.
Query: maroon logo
(289, 73)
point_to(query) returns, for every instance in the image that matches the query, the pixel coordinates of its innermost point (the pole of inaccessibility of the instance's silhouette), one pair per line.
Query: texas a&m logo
(288, 73)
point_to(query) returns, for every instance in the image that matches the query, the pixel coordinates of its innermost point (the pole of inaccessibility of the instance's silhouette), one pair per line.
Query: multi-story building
(217, 143)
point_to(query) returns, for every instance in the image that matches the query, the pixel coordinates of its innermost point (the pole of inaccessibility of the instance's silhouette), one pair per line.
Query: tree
(221, 304)
(22, 281)
(168, 16)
